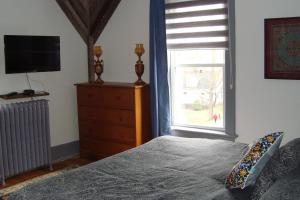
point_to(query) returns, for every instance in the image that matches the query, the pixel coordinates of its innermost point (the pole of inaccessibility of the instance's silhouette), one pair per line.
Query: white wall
(262, 105)
(128, 25)
(44, 17)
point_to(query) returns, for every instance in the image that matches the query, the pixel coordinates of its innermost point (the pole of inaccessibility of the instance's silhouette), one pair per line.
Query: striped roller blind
(197, 24)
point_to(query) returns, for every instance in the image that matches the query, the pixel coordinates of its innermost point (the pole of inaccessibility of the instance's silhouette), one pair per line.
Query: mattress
(167, 167)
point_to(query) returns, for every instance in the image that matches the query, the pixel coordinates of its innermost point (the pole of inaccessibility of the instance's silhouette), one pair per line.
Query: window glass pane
(197, 87)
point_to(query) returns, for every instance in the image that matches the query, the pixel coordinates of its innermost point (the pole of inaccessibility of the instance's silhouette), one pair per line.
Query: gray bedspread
(164, 168)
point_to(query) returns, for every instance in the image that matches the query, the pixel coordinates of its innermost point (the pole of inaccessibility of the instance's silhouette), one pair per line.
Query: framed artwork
(282, 48)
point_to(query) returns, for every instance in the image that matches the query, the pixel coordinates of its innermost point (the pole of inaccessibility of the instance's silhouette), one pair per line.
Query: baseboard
(65, 151)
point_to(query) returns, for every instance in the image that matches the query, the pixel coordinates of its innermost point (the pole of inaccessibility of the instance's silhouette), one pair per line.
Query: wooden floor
(76, 161)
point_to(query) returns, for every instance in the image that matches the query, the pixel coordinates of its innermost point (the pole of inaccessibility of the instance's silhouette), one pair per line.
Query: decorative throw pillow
(247, 170)
(282, 163)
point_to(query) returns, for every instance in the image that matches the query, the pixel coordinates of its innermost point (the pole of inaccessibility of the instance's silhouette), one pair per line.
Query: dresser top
(110, 84)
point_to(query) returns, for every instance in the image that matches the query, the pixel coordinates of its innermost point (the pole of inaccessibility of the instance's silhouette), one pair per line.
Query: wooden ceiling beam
(81, 11)
(102, 18)
(95, 8)
(84, 3)
(77, 22)
(89, 17)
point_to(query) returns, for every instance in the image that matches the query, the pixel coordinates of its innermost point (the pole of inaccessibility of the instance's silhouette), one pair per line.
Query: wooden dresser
(113, 117)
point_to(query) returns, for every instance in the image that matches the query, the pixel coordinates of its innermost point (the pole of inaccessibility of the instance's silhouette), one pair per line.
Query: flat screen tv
(31, 53)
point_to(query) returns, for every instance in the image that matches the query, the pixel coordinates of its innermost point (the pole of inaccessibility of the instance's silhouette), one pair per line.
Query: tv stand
(21, 95)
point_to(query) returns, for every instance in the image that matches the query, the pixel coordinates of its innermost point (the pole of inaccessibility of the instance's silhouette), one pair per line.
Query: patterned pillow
(282, 163)
(247, 170)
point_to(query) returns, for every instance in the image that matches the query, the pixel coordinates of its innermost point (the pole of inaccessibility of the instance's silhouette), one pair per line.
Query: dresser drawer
(107, 116)
(122, 98)
(103, 148)
(104, 132)
(112, 117)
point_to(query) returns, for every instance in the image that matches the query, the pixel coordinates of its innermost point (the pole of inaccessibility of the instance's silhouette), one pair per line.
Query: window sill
(200, 133)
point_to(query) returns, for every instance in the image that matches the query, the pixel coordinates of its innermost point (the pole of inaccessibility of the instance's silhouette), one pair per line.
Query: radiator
(24, 137)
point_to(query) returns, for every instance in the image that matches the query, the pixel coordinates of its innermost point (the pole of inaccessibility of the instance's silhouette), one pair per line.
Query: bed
(165, 168)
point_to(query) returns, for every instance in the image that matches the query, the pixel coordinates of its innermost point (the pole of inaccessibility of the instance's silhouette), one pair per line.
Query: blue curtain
(159, 70)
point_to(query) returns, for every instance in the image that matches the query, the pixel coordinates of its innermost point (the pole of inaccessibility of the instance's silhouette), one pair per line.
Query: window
(199, 55)
(197, 88)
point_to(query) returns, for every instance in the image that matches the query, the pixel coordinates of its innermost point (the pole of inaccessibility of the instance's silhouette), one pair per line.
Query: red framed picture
(282, 48)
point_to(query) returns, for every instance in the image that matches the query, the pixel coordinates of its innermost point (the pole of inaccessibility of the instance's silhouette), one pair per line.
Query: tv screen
(31, 53)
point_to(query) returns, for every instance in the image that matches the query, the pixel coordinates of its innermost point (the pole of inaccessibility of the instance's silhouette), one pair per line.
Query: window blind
(197, 24)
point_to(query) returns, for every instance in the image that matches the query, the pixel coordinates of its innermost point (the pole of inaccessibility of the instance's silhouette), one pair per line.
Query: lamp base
(99, 81)
(99, 71)
(139, 70)
(140, 82)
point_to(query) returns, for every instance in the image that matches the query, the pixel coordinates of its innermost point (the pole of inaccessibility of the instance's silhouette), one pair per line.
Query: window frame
(229, 130)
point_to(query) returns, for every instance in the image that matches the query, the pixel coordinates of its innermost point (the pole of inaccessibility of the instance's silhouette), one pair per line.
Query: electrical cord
(39, 82)
(27, 77)
(28, 81)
